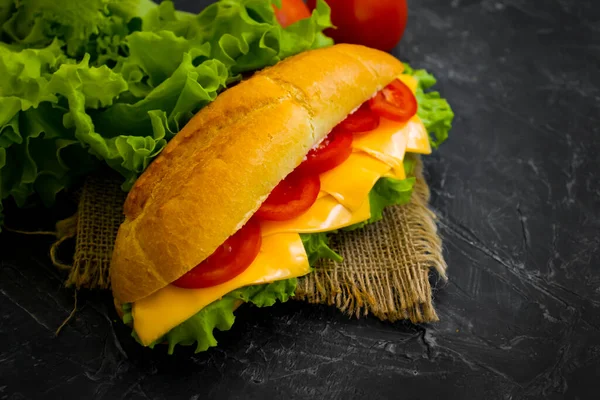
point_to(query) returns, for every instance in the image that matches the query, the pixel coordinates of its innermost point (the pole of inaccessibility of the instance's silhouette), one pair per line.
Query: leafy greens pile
(86, 83)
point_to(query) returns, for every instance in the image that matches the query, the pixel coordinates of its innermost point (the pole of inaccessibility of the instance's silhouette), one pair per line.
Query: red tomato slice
(395, 101)
(362, 120)
(292, 197)
(290, 12)
(331, 152)
(230, 259)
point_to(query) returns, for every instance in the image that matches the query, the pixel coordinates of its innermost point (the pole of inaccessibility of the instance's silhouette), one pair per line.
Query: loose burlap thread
(385, 271)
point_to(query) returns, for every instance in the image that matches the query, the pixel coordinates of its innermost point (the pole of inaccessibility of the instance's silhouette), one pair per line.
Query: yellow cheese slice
(352, 190)
(327, 214)
(350, 182)
(391, 140)
(418, 139)
(281, 256)
(386, 143)
(396, 173)
(409, 81)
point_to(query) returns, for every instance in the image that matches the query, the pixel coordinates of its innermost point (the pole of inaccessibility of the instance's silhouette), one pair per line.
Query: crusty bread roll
(217, 171)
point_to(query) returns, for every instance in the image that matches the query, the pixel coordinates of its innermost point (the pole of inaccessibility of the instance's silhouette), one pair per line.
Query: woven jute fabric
(385, 271)
(99, 214)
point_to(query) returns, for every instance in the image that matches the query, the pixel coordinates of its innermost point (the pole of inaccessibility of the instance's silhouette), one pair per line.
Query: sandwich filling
(346, 199)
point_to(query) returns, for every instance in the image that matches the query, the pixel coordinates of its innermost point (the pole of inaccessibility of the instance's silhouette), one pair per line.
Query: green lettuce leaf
(245, 34)
(386, 192)
(2, 164)
(434, 111)
(162, 112)
(317, 247)
(199, 329)
(7, 8)
(38, 154)
(409, 166)
(268, 294)
(83, 26)
(40, 161)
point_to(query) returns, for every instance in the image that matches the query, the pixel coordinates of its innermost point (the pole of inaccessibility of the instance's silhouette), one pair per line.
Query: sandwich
(240, 203)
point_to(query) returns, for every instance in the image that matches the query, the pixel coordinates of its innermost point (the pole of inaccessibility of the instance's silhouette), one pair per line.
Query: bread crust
(216, 172)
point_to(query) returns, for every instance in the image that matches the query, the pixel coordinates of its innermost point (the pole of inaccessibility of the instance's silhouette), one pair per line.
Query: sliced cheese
(281, 256)
(327, 214)
(418, 139)
(409, 81)
(350, 182)
(386, 143)
(396, 173)
(392, 140)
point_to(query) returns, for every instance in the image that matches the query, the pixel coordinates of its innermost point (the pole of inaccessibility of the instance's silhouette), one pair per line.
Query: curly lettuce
(95, 27)
(317, 248)
(111, 82)
(37, 153)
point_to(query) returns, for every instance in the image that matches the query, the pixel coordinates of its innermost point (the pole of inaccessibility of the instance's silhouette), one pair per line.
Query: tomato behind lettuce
(378, 24)
(291, 11)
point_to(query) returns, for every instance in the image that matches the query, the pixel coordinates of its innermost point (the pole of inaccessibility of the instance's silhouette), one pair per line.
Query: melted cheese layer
(386, 143)
(350, 182)
(418, 139)
(327, 214)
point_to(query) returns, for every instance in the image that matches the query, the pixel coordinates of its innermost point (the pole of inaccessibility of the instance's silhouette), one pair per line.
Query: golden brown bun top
(216, 172)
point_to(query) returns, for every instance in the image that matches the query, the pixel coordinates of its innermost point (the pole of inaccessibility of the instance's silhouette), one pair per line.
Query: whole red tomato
(373, 23)
(291, 11)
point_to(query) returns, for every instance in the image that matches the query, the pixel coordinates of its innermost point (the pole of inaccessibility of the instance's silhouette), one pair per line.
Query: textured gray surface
(517, 192)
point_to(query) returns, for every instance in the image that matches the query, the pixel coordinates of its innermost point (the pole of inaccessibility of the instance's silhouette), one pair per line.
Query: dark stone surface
(517, 192)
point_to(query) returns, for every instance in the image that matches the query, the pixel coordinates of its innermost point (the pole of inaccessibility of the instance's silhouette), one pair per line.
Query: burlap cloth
(385, 270)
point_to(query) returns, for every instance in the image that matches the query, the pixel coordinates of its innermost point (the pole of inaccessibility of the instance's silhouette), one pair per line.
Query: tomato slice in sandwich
(331, 152)
(362, 120)
(230, 259)
(395, 101)
(291, 197)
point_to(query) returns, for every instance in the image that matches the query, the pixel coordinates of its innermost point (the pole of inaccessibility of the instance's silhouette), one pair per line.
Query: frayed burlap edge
(94, 226)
